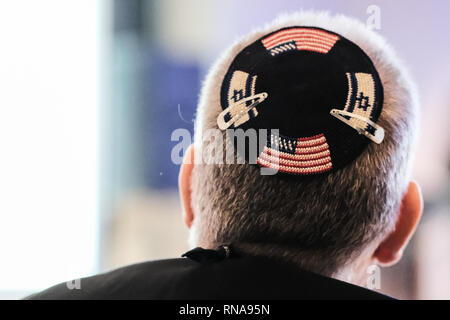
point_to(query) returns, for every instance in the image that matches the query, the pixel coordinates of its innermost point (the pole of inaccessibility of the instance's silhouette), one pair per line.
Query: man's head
(335, 224)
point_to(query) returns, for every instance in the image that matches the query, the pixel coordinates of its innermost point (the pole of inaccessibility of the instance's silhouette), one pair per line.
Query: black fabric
(303, 87)
(208, 256)
(233, 278)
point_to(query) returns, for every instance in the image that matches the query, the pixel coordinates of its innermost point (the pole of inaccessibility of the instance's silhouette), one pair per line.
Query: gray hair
(320, 223)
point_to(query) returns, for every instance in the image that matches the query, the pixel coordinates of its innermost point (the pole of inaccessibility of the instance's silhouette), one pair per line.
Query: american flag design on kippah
(297, 156)
(300, 39)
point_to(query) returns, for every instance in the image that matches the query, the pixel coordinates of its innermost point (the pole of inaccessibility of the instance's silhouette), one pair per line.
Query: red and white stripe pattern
(309, 155)
(300, 39)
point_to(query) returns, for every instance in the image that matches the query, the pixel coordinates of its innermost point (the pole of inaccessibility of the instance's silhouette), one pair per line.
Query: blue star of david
(237, 95)
(363, 101)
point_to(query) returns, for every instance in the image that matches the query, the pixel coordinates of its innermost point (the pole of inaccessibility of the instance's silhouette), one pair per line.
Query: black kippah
(320, 90)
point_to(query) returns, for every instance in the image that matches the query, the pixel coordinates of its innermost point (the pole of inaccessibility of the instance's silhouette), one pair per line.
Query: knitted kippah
(320, 90)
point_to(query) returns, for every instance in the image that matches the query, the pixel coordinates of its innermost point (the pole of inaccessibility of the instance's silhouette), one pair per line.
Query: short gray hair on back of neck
(322, 223)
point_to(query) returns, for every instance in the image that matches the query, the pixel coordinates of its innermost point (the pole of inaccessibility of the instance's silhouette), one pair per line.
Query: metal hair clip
(376, 137)
(223, 124)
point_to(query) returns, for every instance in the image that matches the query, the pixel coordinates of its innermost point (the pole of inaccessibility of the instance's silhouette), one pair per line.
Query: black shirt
(244, 277)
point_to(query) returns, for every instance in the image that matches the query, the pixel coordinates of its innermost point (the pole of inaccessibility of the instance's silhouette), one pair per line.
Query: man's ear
(391, 248)
(184, 185)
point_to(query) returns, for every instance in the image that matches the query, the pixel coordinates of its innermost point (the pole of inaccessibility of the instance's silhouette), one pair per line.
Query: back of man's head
(321, 222)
